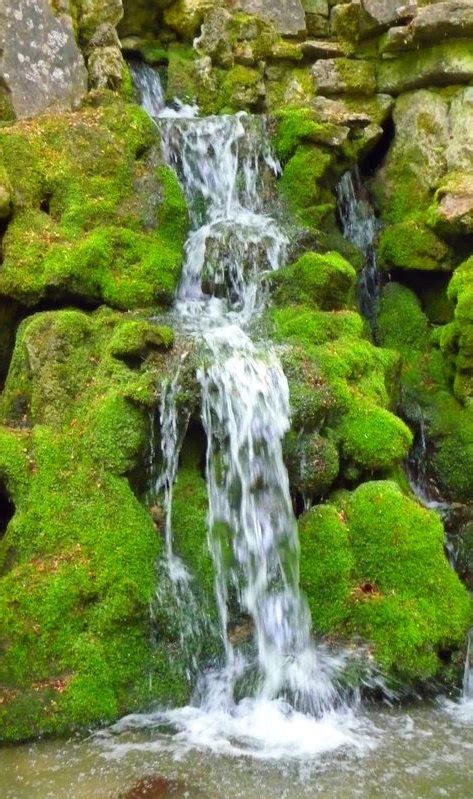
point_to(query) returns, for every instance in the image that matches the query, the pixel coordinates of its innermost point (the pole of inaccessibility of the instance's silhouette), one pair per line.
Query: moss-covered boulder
(426, 378)
(97, 216)
(77, 561)
(325, 281)
(373, 566)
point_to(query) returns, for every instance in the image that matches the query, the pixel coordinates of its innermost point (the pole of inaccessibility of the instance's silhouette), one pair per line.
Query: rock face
(287, 16)
(41, 65)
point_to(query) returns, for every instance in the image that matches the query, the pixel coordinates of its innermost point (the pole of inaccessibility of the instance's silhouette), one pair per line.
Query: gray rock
(106, 66)
(344, 76)
(41, 65)
(321, 49)
(442, 65)
(442, 20)
(287, 16)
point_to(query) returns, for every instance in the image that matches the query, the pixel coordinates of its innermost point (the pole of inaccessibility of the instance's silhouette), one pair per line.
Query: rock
(321, 49)
(106, 66)
(93, 14)
(214, 39)
(431, 24)
(42, 66)
(453, 210)
(460, 142)
(287, 16)
(5, 194)
(185, 16)
(441, 65)
(344, 76)
(379, 14)
(336, 112)
(416, 161)
(453, 18)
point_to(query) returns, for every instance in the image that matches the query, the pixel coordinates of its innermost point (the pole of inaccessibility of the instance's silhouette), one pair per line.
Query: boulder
(41, 66)
(431, 24)
(287, 16)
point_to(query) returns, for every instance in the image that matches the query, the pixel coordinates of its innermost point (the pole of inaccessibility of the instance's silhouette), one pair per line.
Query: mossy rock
(97, 216)
(325, 281)
(304, 185)
(76, 646)
(374, 567)
(312, 463)
(411, 245)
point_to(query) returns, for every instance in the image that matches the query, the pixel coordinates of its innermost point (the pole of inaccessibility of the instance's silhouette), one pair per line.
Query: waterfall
(252, 532)
(359, 227)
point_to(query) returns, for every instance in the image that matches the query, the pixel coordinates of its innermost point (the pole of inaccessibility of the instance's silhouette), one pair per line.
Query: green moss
(325, 281)
(301, 325)
(302, 184)
(295, 126)
(312, 464)
(242, 88)
(401, 323)
(76, 403)
(411, 245)
(372, 438)
(383, 554)
(91, 221)
(326, 567)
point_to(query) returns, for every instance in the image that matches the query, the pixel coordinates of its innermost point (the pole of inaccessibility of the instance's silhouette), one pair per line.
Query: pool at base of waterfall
(417, 752)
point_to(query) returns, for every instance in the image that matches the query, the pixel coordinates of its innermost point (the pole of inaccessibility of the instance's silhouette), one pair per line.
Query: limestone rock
(454, 212)
(185, 16)
(41, 65)
(106, 67)
(441, 65)
(344, 76)
(214, 39)
(287, 16)
(431, 24)
(321, 48)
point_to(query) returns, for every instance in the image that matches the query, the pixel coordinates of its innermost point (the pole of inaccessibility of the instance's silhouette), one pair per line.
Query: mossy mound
(374, 567)
(325, 281)
(97, 216)
(77, 561)
(428, 371)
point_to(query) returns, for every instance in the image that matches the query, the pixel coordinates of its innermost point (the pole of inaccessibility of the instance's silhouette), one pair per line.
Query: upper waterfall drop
(252, 531)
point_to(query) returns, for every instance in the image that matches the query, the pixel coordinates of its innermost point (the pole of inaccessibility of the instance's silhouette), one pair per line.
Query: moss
(326, 567)
(76, 403)
(242, 88)
(189, 520)
(302, 325)
(92, 220)
(411, 245)
(425, 383)
(383, 554)
(312, 464)
(372, 438)
(401, 323)
(325, 281)
(302, 184)
(295, 126)
(181, 75)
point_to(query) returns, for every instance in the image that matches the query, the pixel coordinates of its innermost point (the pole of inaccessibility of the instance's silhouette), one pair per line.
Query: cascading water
(360, 227)
(270, 692)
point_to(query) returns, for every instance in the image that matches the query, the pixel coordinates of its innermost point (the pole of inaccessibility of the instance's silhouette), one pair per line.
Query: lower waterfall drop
(276, 696)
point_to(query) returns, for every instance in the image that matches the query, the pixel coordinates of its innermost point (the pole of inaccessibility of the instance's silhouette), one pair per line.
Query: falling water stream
(279, 692)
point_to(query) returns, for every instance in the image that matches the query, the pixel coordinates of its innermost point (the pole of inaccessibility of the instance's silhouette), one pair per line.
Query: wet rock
(42, 66)
(287, 16)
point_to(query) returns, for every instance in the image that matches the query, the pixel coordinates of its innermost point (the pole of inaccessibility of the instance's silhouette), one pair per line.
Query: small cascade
(360, 228)
(148, 88)
(276, 676)
(468, 671)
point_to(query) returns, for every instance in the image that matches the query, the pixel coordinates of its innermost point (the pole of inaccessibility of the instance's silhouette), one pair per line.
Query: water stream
(277, 691)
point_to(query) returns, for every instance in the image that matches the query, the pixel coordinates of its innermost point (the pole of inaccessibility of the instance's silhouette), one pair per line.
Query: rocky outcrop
(41, 66)
(287, 16)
